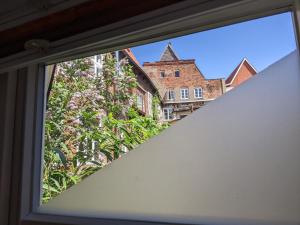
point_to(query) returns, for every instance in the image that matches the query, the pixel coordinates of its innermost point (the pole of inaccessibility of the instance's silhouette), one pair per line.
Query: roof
(169, 54)
(131, 55)
(234, 73)
(133, 59)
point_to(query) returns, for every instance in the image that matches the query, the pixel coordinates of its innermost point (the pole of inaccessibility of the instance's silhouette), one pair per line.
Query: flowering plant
(90, 121)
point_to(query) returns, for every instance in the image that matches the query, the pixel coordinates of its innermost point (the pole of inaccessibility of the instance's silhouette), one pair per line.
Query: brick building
(181, 85)
(145, 89)
(240, 74)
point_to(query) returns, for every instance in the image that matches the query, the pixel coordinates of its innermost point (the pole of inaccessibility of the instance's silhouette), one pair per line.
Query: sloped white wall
(236, 160)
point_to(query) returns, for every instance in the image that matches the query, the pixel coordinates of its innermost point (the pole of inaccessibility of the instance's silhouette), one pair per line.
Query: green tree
(90, 121)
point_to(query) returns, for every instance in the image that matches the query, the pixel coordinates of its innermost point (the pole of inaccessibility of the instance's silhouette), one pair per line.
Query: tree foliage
(91, 120)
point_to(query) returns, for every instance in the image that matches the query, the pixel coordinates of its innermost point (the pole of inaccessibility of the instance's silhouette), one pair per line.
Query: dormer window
(177, 73)
(162, 74)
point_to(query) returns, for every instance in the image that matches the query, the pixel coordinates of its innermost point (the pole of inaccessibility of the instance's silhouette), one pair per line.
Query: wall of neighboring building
(241, 73)
(144, 88)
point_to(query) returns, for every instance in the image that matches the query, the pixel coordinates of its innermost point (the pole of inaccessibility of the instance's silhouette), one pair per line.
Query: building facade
(181, 85)
(145, 90)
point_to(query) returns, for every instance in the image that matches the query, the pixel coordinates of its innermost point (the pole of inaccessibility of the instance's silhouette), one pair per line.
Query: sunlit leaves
(90, 121)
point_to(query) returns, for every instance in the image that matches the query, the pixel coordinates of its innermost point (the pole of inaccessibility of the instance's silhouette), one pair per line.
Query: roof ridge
(233, 74)
(169, 54)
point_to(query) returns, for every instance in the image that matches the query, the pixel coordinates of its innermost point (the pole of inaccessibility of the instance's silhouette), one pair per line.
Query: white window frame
(198, 90)
(149, 102)
(170, 115)
(25, 80)
(184, 93)
(140, 104)
(98, 64)
(170, 95)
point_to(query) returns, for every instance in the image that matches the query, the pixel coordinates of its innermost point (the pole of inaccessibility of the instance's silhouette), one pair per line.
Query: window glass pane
(170, 95)
(140, 102)
(198, 92)
(184, 93)
(157, 181)
(98, 110)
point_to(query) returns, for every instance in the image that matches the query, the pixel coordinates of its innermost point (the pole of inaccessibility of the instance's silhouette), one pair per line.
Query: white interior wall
(235, 160)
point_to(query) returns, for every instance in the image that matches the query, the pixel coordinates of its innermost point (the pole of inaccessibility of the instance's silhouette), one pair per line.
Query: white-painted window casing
(98, 64)
(198, 92)
(168, 114)
(140, 102)
(184, 93)
(170, 95)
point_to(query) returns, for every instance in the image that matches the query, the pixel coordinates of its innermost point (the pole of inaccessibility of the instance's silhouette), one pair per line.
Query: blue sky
(218, 51)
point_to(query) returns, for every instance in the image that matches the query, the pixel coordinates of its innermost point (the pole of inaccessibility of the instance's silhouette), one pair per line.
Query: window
(198, 92)
(98, 70)
(29, 169)
(184, 93)
(98, 58)
(97, 64)
(170, 95)
(140, 102)
(162, 74)
(177, 73)
(149, 104)
(168, 113)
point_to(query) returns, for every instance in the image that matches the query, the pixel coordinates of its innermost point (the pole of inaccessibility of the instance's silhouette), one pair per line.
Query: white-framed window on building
(168, 114)
(140, 102)
(170, 95)
(198, 92)
(184, 93)
(162, 73)
(149, 103)
(98, 64)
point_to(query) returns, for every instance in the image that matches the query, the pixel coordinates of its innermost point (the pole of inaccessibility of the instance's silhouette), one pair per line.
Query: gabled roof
(169, 54)
(131, 55)
(133, 59)
(234, 73)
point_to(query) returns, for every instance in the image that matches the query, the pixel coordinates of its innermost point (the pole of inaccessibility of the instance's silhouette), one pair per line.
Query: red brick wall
(243, 74)
(190, 77)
